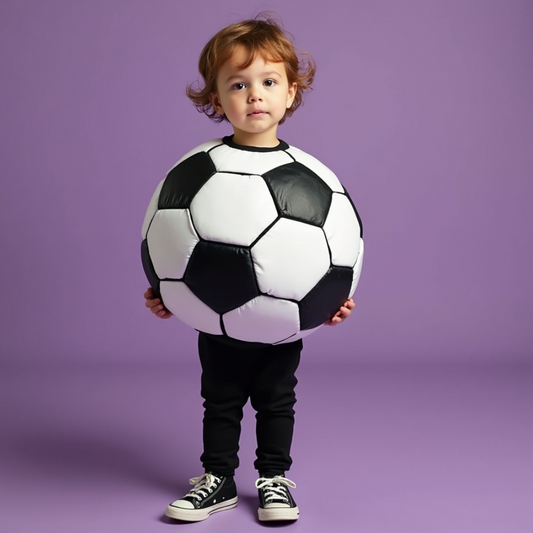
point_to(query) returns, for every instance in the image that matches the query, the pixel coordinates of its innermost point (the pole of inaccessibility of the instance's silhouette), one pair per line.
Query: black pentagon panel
(149, 269)
(326, 298)
(185, 180)
(221, 275)
(299, 193)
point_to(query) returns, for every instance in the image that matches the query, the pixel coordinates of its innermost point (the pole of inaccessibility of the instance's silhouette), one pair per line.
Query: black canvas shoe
(211, 493)
(275, 500)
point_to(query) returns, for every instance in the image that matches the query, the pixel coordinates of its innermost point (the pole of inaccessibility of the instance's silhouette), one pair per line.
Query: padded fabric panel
(204, 147)
(148, 267)
(342, 231)
(263, 319)
(152, 209)
(317, 167)
(290, 258)
(221, 275)
(300, 335)
(326, 298)
(299, 193)
(356, 213)
(233, 208)
(357, 268)
(185, 180)
(171, 241)
(181, 301)
(228, 159)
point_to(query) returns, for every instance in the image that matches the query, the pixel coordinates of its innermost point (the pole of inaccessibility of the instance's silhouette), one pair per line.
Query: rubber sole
(197, 515)
(278, 513)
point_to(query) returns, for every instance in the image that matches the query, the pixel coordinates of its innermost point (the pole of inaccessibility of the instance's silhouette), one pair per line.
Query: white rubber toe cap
(182, 504)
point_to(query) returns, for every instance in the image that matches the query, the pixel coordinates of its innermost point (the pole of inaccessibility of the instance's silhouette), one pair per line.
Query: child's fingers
(150, 302)
(149, 293)
(163, 313)
(155, 306)
(344, 312)
(334, 320)
(350, 304)
(158, 309)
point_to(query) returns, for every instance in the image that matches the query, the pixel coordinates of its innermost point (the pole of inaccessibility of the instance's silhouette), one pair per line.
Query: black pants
(231, 375)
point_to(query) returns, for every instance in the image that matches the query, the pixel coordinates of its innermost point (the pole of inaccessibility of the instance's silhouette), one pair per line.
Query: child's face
(253, 99)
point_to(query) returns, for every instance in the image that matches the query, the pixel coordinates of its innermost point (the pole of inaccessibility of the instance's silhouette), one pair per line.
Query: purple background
(418, 408)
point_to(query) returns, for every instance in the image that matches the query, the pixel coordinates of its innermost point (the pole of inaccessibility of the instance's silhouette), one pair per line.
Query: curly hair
(260, 36)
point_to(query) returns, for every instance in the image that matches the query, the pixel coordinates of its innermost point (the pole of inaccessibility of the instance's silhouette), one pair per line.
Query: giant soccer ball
(257, 244)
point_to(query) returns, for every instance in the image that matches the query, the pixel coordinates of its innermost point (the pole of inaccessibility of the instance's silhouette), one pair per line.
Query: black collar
(281, 146)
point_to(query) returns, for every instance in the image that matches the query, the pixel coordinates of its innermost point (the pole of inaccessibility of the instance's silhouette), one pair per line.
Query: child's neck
(266, 139)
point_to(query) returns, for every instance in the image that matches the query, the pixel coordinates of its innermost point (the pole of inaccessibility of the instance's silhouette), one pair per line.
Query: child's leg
(272, 396)
(225, 391)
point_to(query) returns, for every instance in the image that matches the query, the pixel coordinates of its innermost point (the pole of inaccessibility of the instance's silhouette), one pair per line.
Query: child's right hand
(156, 305)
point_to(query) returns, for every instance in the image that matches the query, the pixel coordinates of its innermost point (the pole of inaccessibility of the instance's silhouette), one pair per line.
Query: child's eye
(270, 83)
(238, 86)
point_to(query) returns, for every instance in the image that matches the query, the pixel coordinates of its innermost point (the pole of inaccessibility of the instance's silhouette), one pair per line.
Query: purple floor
(377, 450)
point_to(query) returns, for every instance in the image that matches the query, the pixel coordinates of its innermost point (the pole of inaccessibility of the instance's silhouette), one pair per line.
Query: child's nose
(255, 96)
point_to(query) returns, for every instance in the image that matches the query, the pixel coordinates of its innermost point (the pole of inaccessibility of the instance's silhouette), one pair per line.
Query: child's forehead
(241, 58)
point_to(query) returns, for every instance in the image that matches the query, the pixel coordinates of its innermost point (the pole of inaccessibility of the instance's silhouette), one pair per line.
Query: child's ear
(215, 102)
(292, 94)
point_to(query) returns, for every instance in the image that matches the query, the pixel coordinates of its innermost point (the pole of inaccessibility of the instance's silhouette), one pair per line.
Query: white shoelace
(275, 487)
(202, 486)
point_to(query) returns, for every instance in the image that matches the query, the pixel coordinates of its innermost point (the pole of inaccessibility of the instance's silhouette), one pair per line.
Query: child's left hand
(342, 314)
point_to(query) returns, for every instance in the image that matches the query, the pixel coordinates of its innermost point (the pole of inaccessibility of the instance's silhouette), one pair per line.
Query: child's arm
(155, 305)
(342, 314)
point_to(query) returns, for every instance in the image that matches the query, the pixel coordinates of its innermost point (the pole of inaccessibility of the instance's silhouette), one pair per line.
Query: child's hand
(155, 305)
(343, 313)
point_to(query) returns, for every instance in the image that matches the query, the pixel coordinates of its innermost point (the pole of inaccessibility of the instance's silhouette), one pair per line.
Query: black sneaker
(211, 493)
(275, 500)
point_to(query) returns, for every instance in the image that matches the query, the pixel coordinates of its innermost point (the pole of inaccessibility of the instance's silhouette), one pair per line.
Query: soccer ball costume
(262, 245)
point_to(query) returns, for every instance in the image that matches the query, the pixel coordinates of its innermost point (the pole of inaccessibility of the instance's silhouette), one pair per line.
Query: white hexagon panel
(184, 304)
(340, 227)
(171, 239)
(152, 209)
(300, 335)
(225, 201)
(229, 159)
(357, 268)
(290, 259)
(263, 319)
(204, 147)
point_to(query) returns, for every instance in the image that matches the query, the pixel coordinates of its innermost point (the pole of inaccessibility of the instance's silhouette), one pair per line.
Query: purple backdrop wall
(423, 108)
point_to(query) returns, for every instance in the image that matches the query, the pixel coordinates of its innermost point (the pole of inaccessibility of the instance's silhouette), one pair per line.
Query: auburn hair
(260, 36)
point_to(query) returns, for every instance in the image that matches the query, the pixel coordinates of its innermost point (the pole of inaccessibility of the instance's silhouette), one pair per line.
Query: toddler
(252, 78)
